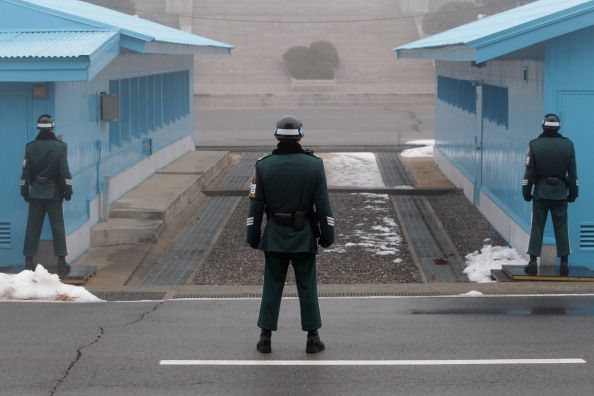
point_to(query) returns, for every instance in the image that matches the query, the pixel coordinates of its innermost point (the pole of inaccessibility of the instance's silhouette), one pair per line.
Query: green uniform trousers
(540, 209)
(37, 210)
(275, 273)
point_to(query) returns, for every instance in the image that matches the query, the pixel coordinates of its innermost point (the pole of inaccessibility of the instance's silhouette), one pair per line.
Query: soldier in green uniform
(551, 170)
(45, 182)
(289, 185)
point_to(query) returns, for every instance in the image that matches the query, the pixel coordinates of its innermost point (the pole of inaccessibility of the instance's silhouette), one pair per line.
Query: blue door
(577, 123)
(14, 126)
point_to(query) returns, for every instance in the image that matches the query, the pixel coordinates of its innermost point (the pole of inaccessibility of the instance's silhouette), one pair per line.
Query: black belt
(295, 219)
(43, 179)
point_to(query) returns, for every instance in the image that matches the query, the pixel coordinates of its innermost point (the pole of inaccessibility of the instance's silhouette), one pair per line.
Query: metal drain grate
(178, 264)
(240, 175)
(322, 295)
(426, 236)
(393, 171)
(128, 295)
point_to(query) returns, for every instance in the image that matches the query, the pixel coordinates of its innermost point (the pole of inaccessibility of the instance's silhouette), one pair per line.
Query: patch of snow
(352, 170)
(422, 142)
(40, 285)
(381, 238)
(472, 293)
(418, 152)
(479, 264)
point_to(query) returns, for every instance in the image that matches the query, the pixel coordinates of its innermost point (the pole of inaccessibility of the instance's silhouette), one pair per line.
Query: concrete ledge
(206, 163)
(168, 192)
(126, 231)
(143, 213)
(159, 197)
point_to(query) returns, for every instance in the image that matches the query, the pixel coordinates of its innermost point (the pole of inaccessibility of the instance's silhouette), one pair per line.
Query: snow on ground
(352, 170)
(425, 151)
(479, 264)
(380, 236)
(472, 293)
(40, 285)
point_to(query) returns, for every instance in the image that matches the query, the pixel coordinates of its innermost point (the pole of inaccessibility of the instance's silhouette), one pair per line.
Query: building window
(495, 105)
(114, 127)
(457, 93)
(148, 103)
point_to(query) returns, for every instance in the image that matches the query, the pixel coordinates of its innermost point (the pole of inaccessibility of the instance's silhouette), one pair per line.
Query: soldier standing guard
(45, 182)
(551, 170)
(289, 185)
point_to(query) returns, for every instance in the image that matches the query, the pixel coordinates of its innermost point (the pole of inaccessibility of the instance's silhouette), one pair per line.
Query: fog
(330, 63)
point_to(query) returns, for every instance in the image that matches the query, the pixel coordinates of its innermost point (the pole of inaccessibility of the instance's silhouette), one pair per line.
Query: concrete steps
(126, 232)
(142, 214)
(311, 99)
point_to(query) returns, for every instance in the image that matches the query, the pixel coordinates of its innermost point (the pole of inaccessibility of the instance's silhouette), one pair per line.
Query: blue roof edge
(104, 26)
(491, 45)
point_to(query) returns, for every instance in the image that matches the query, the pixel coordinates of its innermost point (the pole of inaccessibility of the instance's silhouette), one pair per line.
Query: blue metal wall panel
(90, 154)
(454, 136)
(570, 92)
(503, 148)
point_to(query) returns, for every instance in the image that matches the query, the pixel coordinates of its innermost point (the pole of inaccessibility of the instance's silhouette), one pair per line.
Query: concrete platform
(140, 217)
(126, 231)
(142, 214)
(549, 273)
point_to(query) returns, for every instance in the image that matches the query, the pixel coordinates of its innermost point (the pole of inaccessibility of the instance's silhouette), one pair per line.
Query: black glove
(571, 198)
(25, 193)
(67, 196)
(527, 197)
(324, 243)
(254, 245)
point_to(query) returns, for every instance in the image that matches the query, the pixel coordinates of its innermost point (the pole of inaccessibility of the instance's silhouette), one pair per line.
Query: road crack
(78, 357)
(79, 351)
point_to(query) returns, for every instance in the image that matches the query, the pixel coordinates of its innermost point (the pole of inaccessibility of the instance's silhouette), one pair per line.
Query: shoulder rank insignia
(310, 152)
(264, 156)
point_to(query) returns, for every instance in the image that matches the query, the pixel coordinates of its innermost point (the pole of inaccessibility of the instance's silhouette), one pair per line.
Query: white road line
(367, 362)
(387, 297)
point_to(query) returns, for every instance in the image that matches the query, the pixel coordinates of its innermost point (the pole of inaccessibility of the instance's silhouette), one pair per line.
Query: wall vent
(587, 236)
(5, 235)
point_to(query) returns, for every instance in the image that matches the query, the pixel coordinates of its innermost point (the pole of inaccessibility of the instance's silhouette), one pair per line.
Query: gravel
(464, 224)
(369, 248)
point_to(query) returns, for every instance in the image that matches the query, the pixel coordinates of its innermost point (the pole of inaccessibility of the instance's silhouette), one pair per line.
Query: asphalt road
(360, 126)
(120, 348)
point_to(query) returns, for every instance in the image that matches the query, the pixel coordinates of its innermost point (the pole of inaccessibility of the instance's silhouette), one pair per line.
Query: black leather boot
(29, 263)
(564, 267)
(531, 268)
(314, 344)
(264, 345)
(63, 267)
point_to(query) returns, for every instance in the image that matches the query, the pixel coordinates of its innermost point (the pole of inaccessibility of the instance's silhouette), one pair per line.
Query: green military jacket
(285, 182)
(46, 174)
(551, 169)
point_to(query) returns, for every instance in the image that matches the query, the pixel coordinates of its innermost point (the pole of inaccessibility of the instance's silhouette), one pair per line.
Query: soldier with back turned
(550, 181)
(289, 186)
(45, 183)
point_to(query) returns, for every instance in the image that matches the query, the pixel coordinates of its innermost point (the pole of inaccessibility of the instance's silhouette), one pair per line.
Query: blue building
(496, 78)
(120, 90)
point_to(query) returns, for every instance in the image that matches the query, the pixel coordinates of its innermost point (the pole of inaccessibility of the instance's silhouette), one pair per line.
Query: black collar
(46, 134)
(288, 147)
